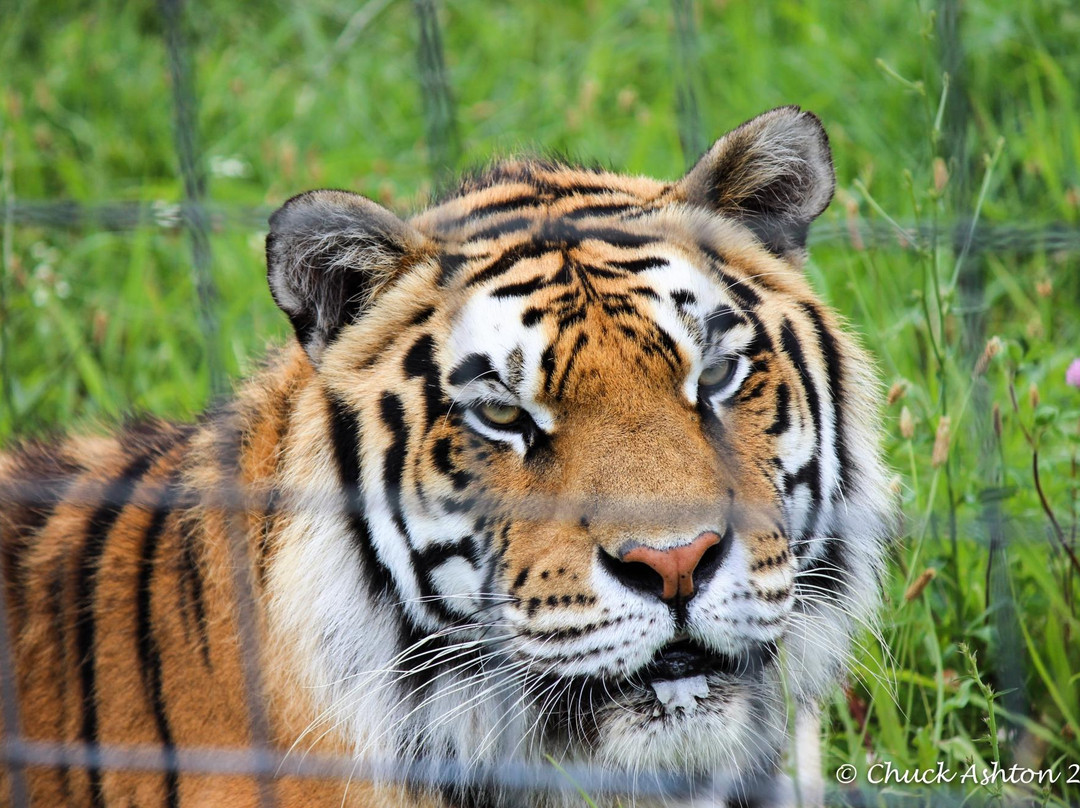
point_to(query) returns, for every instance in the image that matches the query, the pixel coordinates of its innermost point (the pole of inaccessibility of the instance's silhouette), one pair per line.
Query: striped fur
(427, 495)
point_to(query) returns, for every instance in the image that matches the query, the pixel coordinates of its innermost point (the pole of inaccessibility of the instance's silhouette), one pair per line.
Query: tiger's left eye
(718, 373)
(500, 414)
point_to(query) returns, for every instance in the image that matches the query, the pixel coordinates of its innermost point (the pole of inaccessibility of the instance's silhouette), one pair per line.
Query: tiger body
(570, 464)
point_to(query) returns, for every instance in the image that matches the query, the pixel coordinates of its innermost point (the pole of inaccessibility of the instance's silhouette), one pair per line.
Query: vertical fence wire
(440, 117)
(195, 218)
(7, 258)
(691, 132)
(970, 272)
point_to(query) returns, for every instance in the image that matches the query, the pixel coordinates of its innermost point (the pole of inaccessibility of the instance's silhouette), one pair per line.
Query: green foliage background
(982, 664)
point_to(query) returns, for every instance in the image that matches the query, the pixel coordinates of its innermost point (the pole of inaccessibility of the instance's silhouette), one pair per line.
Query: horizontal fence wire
(435, 772)
(858, 233)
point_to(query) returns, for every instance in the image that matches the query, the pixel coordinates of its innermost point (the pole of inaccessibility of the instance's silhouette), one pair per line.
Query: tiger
(570, 467)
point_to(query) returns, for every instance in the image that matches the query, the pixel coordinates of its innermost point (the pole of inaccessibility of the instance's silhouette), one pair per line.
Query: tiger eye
(501, 414)
(717, 373)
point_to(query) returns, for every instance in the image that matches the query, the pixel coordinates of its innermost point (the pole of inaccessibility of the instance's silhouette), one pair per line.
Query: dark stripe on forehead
(502, 206)
(617, 237)
(522, 289)
(472, 367)
(513, 225)
(345, 437)
(601, 210)
(834, 371)
(507, 261)
(638, 265)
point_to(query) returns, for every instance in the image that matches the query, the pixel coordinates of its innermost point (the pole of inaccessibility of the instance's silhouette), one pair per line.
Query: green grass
(97, 324)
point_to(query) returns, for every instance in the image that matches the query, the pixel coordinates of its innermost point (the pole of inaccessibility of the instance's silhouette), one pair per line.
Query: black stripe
(392, 412)
(345, 437)
(594, 271)
(420, 363)
(601, 210)
(440, 454)
(531, 316)
(639, 265)
(149, 651)
(684, 297)
(617, 237)
(547, 364)
(721, 321)
(519, 289)
(828, 573)
(835, 374)
(743, 291)
(191, 587)
(514, 225)
(436, 554)
(114, 499)
(422, 316)
(510, 258)
(472, 367)
(504, 206)
(644, 291)
(581, 341)
(669, 345)
(782, 421)
(450, 265)
(793, 348)
(811, 472)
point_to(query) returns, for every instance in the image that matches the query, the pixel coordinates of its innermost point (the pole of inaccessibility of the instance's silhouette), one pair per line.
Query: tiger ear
(328, 254)
(774, 174)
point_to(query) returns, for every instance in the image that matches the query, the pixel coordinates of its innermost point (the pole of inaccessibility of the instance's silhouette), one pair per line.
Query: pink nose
(676, 565)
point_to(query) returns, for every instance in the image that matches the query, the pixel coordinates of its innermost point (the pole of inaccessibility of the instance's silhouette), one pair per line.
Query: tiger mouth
(683, 679)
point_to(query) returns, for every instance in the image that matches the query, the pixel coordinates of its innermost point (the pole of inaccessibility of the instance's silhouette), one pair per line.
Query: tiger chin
(571, 465)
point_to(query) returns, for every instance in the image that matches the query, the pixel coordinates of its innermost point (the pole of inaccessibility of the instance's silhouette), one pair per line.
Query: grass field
(980, 664)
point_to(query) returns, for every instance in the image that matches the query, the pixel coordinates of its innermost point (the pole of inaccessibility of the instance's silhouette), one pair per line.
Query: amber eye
(500, 414)
(718, 373)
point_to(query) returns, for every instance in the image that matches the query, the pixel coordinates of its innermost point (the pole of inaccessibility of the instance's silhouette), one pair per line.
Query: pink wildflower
(1072, 375)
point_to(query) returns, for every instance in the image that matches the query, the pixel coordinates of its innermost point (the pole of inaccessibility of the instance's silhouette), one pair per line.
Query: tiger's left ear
(328, 255)
(774, 174)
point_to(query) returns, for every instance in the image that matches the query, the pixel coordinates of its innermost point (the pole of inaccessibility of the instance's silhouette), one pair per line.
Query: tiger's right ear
(328, 254)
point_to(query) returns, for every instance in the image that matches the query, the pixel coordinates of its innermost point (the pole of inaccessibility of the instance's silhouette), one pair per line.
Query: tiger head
(597, 472)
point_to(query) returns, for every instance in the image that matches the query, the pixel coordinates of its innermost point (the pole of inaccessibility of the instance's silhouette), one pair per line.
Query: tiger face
(598, 474)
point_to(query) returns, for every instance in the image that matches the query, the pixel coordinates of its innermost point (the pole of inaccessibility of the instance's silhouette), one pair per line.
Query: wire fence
(199, 217)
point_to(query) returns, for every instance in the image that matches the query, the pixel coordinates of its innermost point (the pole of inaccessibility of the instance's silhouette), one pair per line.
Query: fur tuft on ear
(774, 174)
(328, 254)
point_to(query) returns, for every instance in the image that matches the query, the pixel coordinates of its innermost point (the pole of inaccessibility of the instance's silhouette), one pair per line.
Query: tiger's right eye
(718, 373)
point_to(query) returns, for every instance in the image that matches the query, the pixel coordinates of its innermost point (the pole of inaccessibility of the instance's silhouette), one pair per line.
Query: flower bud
(896, 392)
(940, 455)
(919, 584)
(907, 424)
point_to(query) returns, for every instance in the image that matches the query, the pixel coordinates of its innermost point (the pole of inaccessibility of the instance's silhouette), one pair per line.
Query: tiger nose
(674, 565)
